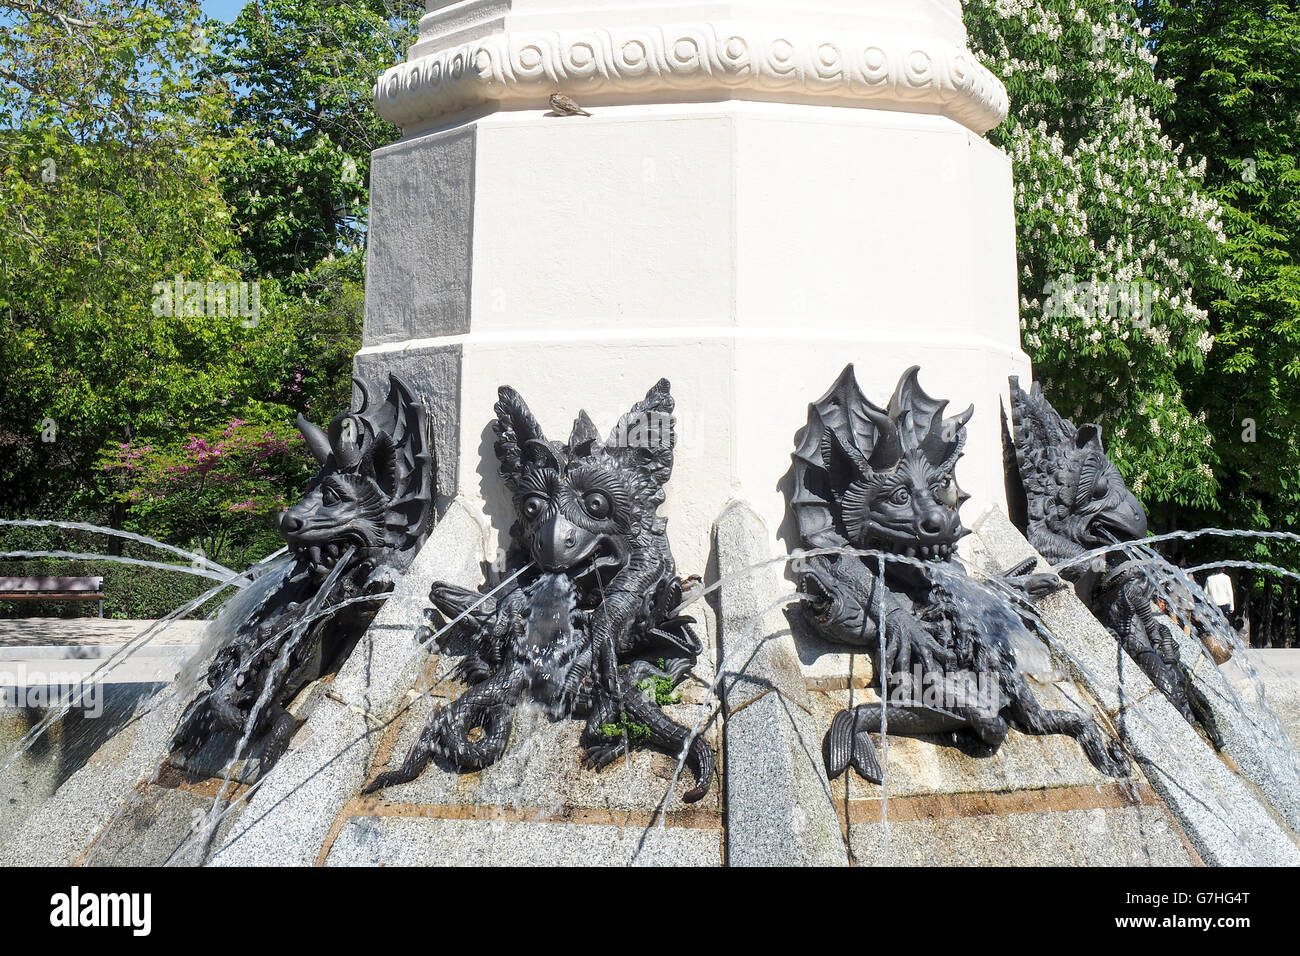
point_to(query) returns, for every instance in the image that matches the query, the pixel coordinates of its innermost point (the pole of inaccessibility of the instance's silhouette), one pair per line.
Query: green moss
(660, 689)
(626, 727)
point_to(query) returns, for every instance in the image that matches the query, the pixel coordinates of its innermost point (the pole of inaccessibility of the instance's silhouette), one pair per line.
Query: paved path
(80, 631)
(1284, 662)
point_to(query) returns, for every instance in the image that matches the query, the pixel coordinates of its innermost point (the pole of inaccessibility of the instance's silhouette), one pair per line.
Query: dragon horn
(365, 395)
(316, 439)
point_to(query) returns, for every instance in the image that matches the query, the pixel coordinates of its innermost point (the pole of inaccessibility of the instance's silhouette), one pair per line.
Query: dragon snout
(560, 544)
(289, 523)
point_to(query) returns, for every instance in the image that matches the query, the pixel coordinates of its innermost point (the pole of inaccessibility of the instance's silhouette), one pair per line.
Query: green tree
(107, 187)
(303, 71)
(1121, 247)
(1236, 70)
(1235, 67)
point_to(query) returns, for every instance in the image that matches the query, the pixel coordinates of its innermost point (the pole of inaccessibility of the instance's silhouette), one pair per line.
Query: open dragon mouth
(1102, 530)
(318, 560)
(595, 572)
(923, 547)
(820, 597)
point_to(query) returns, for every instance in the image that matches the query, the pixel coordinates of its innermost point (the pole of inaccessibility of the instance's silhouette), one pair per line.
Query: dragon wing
(921, 424)
(844, 431)
(1041, 438)
(645, 437)
(406, 453)
(515, 429)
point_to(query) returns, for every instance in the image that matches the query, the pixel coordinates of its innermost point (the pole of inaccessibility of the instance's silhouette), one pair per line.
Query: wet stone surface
(542, 769)
(164, 826)
(1123, 836)
(414, 841)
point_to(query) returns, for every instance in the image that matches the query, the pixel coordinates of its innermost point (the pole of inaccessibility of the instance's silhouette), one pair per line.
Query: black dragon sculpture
(1073, 500)
(368, 510)
(588, 626)
(883, 479)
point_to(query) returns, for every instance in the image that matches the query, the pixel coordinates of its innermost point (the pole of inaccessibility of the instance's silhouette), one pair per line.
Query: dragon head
(586, 504)
(374, 488)
(1075, 497)
(877, 477)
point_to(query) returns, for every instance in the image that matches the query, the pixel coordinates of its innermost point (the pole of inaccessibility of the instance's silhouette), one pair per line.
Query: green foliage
(107, 186)
(1234, 65)
(303, 70)
(140, 145)
(1105, 197)
(636, 734)
(221, 489)
(660, 689)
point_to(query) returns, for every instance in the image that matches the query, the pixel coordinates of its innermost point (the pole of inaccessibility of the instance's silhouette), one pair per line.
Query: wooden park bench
(53, 589)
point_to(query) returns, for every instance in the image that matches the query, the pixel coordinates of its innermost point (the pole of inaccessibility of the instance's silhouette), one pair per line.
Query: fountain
(367, 514)
(760, 193)
(582, 632)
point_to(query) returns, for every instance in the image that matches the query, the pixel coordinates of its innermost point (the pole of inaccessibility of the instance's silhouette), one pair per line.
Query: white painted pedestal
(767, 191)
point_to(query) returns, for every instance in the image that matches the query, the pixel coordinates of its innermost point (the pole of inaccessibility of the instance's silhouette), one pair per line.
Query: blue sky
(223, 9)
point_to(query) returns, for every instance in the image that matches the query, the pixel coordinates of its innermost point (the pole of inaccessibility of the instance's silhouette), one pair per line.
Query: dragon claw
(600, 756)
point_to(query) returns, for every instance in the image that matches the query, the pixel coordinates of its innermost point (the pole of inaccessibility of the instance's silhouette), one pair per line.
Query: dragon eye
(533, 506)
(329, 496)
(596, 504)
(901, 496)
(1100, 489)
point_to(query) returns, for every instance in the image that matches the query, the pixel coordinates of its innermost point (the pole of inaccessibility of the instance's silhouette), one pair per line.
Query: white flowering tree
(1121, 249)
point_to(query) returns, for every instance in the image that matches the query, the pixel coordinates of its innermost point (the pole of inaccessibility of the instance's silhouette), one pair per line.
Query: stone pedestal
(765, 192)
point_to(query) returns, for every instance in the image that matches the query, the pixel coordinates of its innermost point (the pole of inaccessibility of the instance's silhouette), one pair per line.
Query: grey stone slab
(826, 665)
(1121, 836)
(421, 242)
(542, 769)
(161, 826)
(1279, 671)
(290, 814)
(1220, 811)
(1223, 816)
(434, 374)
(779, 809)
(63, 827)
(1279, 663)
(414, 841)
(1252, 735)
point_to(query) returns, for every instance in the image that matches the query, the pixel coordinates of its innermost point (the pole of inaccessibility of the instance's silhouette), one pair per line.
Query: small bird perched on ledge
(564, 106)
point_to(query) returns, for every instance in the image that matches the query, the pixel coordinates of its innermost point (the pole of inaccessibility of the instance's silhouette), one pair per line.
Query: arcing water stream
(1272, 740)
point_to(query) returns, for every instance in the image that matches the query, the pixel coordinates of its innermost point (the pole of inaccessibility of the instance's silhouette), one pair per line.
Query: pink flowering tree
(219, 491)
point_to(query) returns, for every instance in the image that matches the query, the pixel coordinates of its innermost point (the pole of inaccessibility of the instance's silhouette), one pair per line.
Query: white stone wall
(745, 249)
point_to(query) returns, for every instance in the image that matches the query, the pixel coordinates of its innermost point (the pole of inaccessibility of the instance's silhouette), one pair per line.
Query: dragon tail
(702, 760)
(411, 767)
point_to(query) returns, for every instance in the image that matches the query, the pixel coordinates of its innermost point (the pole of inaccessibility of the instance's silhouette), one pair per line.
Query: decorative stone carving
(724, 59)
(588, 627)
(369, 509)
(1074, 501)
(882, 479)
